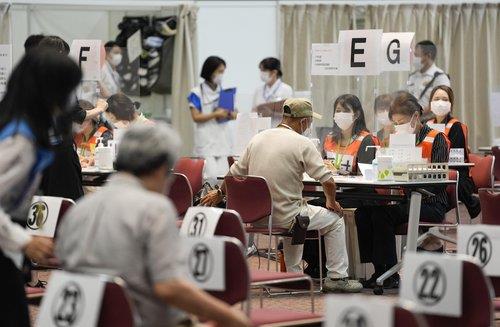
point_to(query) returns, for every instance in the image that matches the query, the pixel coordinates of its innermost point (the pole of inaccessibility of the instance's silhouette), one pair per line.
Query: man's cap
(299, 108)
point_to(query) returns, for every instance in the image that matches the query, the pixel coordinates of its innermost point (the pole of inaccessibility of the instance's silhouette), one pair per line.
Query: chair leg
(269, 252)
(276, 247)
(320, 252)
(389, 273)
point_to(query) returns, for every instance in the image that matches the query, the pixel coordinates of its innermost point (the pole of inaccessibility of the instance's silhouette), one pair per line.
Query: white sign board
(72, 300)
(87, 54)
(396, 52)
(206, 262)
(134, 46)
(325, 58)
(433, 282)
(483, 243)
(360, 52)
(402, 140)
(200, 221)
(5, 66)
(346, 160)
(358, 310)
(43, 216)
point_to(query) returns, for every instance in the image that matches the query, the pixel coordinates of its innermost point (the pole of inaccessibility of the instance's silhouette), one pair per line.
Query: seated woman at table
(87, 136)
(345, 146)
(122, 112)
(377, 224)
(441, 104)
(384, 124)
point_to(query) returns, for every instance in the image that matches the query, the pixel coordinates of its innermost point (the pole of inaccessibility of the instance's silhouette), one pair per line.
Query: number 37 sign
(483, 243)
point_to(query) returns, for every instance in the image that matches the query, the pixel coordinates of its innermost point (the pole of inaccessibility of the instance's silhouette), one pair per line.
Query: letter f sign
(81, 57)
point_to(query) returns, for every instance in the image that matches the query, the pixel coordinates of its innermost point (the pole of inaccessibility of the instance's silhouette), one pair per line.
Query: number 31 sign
(483, 243)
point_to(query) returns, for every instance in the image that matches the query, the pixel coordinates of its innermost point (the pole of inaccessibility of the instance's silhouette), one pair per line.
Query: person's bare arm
(182, 295)
(100, 107)
(329, 189)
(199, 117)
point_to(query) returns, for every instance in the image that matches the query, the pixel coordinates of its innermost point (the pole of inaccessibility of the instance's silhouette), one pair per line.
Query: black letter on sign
(396, 51)
(81, 57)
(355, 51)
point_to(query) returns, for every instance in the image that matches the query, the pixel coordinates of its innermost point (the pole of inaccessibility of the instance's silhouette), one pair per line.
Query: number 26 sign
(483, 243)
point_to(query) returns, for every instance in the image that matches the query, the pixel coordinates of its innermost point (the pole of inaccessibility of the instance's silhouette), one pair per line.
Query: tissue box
(385, 168)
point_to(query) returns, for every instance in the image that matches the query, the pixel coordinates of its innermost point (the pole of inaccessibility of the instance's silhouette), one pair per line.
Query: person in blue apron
(211, 133)
(39, 91)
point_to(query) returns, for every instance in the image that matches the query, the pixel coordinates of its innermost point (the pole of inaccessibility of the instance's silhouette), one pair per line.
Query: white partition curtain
(467, 36)
(184, 74)
(5, 23)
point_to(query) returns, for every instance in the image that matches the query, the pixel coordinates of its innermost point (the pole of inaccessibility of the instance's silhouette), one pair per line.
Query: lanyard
(272, 93)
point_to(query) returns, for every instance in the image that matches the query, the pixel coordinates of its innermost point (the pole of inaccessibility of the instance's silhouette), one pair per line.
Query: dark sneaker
(342, 285)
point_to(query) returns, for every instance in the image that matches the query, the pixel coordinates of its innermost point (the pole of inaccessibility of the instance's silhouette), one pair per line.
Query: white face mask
(405, 128)
(383, 119)
(307, 132)
(344, 120)
(440, 107)
(265, 76)
(218, 79)
(417, 63)
(116, 59)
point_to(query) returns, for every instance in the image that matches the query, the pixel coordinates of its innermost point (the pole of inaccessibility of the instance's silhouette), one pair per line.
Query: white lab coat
(110, 79)
(211, 138)
(277, 92)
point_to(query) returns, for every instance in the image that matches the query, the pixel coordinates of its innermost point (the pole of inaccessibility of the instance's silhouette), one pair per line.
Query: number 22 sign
(483, 243)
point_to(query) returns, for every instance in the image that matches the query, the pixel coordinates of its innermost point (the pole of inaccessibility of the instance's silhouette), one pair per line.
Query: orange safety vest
(427, 143)
(448, 126)
(352, 149)
(89, 146)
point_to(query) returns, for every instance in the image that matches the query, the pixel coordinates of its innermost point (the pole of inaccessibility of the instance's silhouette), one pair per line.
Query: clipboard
(226, 101)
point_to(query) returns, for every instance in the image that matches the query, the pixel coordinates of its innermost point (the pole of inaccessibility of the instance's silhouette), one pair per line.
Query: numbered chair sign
(43, 215)
(72, 300)
(433, 282)
(206, 262)
(200, 221)
(358, 310)
(483, 243)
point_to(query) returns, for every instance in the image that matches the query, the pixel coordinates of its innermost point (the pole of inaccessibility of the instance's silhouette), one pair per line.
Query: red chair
(496, 167)
(193, 169)
(180, 193)
(237, 290)
(404, 317)
(477, 307)
(116, 306)
(482, 172)
(490, 206)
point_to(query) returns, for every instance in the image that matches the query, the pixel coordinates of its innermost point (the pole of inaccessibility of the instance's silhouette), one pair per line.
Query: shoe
(474, 210)
(390, 283)
(251, 250)
(313, 271)
(341, 285)
(371, 282)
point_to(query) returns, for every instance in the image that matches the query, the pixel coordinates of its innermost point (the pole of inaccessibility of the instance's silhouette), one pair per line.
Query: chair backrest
(249, 196)
(490, 206)
(404, 317)
(482, 172)
(477, 293)
(66, 204)
(496, 168)
(193, 169)
(116, 307)
(230, 225)
(236, 272)
(180, 193)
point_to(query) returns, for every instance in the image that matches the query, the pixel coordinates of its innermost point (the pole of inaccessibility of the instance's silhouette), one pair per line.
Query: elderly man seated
(128, 229)
(281, 155)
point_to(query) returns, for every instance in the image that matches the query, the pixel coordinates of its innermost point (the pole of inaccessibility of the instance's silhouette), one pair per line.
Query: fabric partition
(467, 37)
(5, 23)
(185, 70)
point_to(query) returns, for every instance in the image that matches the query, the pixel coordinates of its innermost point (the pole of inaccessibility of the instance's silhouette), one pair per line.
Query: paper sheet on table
(401, 140)
(364, 167)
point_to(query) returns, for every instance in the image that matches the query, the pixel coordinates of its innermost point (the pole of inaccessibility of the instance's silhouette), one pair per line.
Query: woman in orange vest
(381, 107)
(87, 136)
(377, 224)
(441, 104)
(346, 145)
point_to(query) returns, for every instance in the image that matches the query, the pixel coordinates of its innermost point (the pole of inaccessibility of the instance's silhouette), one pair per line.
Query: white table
(93, 176)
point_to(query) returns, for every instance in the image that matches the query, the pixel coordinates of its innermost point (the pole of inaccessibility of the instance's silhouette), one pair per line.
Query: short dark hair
(110, 45)
(382, 101)
(55, 43)
(121, 107)
(32, 41)
(448, 91)
(404, 103)
(210, 66)
(428, 48)
(350, 101)
(271, 63)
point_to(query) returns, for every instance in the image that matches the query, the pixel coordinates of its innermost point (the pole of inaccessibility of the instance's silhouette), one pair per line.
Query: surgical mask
(440, 107)
(383, 119)
(218, 79)
(344, 120)
(265, 76)
(116, 59)
(417, 63)
(405, 128)
(307, 132)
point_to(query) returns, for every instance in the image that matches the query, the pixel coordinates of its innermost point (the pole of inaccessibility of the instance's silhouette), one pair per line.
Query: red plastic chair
(482, 172)
(404, 317)
(116, 306)
(237, 290)
(193, 169)
(496, 168)
(180, 193)
(490, 206)
(477, 306)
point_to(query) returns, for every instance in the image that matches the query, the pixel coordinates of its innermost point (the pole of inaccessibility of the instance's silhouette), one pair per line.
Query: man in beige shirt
(282, 155)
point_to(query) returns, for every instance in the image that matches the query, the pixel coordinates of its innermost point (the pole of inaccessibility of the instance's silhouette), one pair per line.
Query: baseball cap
(299, 108)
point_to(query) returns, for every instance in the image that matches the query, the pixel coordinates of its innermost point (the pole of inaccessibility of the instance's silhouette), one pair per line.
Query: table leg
(413, 220)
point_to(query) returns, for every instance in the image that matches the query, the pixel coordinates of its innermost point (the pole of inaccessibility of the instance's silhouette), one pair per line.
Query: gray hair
(145, 148)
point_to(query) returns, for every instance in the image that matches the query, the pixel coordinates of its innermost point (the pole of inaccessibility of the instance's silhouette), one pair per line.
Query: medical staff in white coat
(110, 79)
(211, 134)
(274, 89)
